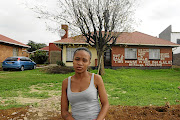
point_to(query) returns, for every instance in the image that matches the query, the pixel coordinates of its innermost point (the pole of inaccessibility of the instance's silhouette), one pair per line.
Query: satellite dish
(62, 32)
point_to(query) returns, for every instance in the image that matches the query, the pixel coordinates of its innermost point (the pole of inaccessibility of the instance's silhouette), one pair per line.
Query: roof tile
(134, 38)
(45, 48)
(5, 39)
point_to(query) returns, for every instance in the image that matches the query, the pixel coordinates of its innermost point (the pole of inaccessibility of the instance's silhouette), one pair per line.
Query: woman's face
(81, 61)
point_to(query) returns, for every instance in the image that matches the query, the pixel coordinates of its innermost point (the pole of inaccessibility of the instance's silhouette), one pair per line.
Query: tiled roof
(45, 48)
(138, 38)
(134, 38)
(5, 39)
(72, 40)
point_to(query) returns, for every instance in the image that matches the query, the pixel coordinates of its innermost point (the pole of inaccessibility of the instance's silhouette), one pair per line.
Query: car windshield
(11, 59)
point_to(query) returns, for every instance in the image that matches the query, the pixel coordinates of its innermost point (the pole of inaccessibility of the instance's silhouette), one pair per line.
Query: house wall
(118, 56)
(54, 53)
(7, 51)
(93, 51)
(176, 59)
(166, 34)
(25, 52)
(174, 37)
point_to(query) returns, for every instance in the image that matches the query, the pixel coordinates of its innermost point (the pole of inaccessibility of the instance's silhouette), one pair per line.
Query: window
(11, 59)
(70, 53)
(108, 55)
(154, 53)
(178, 41)
(130, 53)
(47, 53)
(15, 51)
(28, 59)
(23, 59)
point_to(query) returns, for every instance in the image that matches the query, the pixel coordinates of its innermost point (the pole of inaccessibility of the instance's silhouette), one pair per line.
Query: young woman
(81, 91)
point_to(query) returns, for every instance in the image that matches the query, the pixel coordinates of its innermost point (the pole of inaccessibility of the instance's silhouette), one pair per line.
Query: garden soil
(49, 109)
(115, 113)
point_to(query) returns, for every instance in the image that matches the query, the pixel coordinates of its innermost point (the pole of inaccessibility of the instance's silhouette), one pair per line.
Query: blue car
(19, 63)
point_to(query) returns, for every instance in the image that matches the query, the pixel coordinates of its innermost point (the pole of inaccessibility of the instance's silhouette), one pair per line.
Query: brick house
(10, 47)
(134, 49)
(44, 49)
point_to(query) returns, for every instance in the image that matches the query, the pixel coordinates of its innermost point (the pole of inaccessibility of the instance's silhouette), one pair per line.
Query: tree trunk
(101, 70)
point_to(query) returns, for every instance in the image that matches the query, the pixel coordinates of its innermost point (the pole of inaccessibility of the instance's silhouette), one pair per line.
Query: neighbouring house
(10, 47)
(44, 49)
(134, 49)
(174, 37)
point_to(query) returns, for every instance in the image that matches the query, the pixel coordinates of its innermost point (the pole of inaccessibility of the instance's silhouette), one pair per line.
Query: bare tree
(100, 21)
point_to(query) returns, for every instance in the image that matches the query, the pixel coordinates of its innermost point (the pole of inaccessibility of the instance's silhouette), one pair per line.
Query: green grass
(41, 95)
(123, 86)
(9, 104)
(142, 87)
(22, 80)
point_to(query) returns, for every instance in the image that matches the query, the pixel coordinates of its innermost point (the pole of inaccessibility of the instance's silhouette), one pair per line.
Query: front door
(107, 58)
(55, 56)
(15, 51)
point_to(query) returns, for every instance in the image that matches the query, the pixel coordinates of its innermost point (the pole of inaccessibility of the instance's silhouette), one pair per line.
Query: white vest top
(85, 104)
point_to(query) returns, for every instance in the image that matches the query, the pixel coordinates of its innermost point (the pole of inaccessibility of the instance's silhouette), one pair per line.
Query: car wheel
(22, 68)
(34, 67)
(5, 69)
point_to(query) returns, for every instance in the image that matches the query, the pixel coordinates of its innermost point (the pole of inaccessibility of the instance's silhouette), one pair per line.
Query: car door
(30, 63)
(27, 63)
(23, 62)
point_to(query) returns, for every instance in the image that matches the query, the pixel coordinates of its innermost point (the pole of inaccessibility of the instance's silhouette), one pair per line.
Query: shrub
(1, 67)
(39, 57)
(60, 63)
(57, 70)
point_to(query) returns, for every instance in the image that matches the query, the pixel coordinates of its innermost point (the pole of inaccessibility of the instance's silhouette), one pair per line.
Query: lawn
(124, 86)
(142, 87)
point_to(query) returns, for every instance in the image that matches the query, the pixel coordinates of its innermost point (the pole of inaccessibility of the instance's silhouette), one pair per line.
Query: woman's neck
(79, 76)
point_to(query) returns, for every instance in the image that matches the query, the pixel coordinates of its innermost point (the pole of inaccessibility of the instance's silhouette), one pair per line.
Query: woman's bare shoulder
(96, 76)
(98, 79)
(65, 82)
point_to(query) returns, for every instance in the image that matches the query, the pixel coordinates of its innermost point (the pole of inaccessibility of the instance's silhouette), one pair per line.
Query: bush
(1, 67)
(60, 63)
(40, 57)
(57, 70)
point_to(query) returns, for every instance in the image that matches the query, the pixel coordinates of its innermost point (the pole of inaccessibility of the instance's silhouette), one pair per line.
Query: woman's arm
(64, 102)
(103, 97)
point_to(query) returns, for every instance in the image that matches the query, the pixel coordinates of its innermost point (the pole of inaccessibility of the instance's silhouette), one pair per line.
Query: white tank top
(85, 104)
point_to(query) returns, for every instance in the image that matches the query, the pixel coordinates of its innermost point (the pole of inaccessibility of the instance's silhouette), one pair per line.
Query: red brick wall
(65, 27)
(53, 47)
(118, 57)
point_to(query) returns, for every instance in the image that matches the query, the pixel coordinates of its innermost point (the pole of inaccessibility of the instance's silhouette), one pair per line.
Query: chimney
(65, 27)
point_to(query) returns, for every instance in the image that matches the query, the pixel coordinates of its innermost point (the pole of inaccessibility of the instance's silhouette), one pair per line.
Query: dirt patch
(144, 113)
(42, 110)
(49, 109)
(26, 100)
(46, 112)
(57, 70)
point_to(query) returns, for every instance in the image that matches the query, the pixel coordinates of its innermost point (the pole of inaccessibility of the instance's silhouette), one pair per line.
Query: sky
(20, 23)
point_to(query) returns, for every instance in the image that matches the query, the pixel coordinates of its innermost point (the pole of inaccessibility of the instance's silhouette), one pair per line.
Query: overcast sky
(20, 23)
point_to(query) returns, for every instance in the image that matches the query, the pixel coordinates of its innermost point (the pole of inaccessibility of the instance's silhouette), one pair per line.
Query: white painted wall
(174, 37)
(93, 51)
